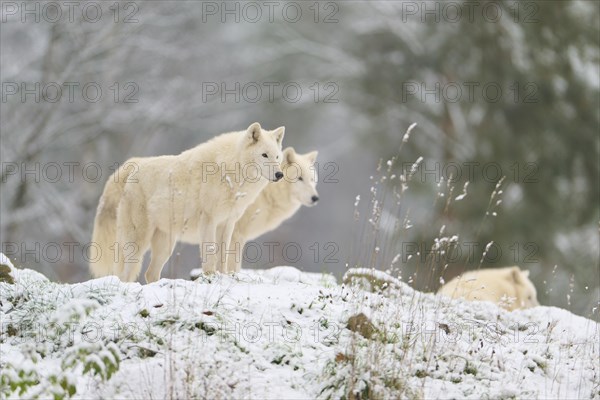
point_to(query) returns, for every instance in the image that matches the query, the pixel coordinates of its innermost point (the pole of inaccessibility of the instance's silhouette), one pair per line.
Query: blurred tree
(541, 129)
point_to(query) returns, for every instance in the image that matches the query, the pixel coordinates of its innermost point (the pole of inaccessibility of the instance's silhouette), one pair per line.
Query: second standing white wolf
(277, 202)
(156, 201)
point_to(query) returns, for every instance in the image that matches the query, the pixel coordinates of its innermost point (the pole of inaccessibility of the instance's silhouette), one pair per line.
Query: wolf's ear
(515, 274)
(289, 155)
(278, 134)
(312, 156)
(253, 132)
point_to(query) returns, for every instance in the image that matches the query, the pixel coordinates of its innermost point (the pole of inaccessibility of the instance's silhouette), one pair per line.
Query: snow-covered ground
(282, 333)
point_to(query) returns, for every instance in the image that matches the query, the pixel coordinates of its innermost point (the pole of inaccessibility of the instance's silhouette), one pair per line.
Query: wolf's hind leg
(161, 246)
(132, 240)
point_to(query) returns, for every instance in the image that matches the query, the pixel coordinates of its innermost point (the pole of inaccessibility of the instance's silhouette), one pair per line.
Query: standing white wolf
(157, 201)
(277, 202)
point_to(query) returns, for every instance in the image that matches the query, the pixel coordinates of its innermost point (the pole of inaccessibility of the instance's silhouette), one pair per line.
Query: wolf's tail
(104, 236)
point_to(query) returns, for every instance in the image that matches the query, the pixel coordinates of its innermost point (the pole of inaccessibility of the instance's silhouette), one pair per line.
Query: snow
(280, 334)
(406, 136)
(6, 261)
(464, 193)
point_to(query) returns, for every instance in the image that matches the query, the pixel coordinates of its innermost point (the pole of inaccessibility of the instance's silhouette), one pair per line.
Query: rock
(361, 324)
(5, 274)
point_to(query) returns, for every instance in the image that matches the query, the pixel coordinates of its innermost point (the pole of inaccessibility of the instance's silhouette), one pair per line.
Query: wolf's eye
(265, 155)
(300, 178)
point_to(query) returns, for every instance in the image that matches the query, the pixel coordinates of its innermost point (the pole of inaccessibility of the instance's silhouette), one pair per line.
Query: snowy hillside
(281, 333)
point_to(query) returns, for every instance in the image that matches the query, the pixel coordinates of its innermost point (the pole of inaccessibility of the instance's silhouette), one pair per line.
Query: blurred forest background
(496, 88)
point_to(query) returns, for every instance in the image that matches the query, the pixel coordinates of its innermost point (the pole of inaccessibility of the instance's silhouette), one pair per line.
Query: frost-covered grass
(281, 333)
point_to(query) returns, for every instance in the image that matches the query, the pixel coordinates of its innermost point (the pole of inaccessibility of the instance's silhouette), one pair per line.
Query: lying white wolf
(156, 201)
(277, 202)
(508, 287)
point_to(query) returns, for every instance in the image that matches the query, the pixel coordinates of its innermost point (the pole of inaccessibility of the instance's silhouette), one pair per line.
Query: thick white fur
(498, 285)
(277, 202)
(154, 202)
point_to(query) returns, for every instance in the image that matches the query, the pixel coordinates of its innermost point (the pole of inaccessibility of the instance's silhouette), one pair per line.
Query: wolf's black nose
(278, 175)
(315, 199)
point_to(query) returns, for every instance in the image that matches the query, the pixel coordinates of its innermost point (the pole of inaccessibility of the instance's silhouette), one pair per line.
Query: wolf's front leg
(208, 245)
(227, 249)
(234, 261)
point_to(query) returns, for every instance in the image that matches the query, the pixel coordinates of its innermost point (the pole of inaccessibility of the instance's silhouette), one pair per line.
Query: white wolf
(277, 202)
(156, 201)
(509, 287)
